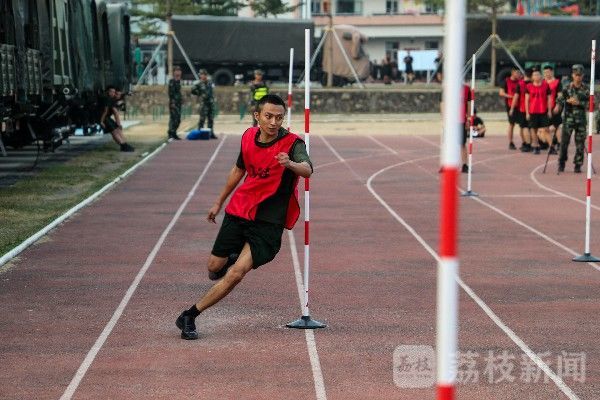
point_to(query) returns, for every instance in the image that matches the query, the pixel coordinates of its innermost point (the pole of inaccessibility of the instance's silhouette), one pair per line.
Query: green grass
(33, 202)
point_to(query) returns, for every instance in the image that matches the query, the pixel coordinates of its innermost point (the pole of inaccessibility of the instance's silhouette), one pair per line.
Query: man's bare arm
(235, 176)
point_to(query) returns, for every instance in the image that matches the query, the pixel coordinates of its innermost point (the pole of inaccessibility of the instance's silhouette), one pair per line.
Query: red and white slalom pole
(289, 94)
(306, 322)
(587, 256)
(447, 288)
(469, 191)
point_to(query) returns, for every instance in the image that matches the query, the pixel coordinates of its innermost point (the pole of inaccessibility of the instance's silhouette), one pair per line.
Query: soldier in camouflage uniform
(175, 101)
(258, 90)
(204, 90)
(574, 100)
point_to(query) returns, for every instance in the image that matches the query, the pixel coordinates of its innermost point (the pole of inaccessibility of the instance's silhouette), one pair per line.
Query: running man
(537, 109)
(272, 160)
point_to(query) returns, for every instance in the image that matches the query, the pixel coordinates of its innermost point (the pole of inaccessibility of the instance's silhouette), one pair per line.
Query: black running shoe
(465, 169)
(187, 325)
(127, 148)
(561, 167)
(512, 146)
(553, 150)
(543, 146)
(174, 137)
(215, 276)
(536, 150)
(526, 148)
(577, 169)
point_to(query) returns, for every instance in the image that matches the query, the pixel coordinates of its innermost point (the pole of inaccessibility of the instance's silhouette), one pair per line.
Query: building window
(432, 45)
(316, 7)
(431, 9)
(349, 7)
(391, 7)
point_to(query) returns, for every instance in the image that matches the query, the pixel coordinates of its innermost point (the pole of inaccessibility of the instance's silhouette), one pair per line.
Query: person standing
(175, 100)
(204, 90)
(271, 159)
(408, 68)
(511, 85)
(574, 101)
(519, 105)
(555, 118)
(537, 108)
(258, 89)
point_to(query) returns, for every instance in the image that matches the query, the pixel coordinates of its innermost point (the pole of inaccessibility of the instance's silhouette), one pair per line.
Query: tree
(150, 13)
(264, 8)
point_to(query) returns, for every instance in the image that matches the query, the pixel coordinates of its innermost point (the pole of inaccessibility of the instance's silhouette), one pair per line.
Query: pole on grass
(289, 94)
(306, 322)
(447, 288)
(587, 256)
(469, 191)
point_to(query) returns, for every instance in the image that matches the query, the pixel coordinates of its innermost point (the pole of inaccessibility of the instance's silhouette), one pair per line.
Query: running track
(89, 311)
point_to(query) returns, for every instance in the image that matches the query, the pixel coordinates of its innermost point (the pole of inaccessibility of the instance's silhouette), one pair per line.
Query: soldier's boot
(577, 168)
(561, 166)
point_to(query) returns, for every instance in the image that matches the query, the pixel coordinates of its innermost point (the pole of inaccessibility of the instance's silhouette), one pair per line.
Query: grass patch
(33, 202)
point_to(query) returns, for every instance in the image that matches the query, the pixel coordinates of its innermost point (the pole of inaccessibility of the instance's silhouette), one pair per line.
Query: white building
(390, 25)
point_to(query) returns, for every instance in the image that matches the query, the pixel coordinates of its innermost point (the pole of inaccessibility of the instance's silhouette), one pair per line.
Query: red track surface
(371, 281)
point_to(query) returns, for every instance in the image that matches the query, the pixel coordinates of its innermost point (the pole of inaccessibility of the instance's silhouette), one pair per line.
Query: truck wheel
(223, 77)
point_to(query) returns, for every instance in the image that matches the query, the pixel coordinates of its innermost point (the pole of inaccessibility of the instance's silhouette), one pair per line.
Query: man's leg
(222, 288)
(202, 118)
(511, 128)
(210, 119)
(117, 136)
(580, 135)
(564, 146)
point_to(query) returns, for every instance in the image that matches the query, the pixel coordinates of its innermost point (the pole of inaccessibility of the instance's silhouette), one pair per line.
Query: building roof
(380, 20)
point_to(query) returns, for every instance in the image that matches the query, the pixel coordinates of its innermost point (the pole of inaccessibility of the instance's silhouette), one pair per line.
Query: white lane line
(32, 239)
(562, 194)
(91, 355)
(342, 159)
(385, 146)
(311, 344)
(518, 341)
(519, 196)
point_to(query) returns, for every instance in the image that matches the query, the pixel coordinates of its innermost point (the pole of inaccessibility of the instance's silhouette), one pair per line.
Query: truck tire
(223, 77)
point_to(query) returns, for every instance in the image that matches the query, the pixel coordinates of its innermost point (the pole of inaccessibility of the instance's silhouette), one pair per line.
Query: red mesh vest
(263, 177)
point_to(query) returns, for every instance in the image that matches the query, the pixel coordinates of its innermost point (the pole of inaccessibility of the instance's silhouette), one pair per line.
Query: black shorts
(264, 239)
(465, 129)
(110, 125)
(556, 120)
(538, 121)
(514, 118)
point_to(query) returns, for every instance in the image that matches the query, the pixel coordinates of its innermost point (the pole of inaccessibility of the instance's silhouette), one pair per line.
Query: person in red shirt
(537, 108)
(271, 159)
(508, 91)
(517, 109)
(555, 118)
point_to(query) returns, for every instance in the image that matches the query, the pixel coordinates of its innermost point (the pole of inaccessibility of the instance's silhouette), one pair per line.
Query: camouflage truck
(56, 59)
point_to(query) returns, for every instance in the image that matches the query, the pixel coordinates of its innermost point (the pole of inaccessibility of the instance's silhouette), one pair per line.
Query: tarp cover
(231, 40)
(82, 50)
(352, 41)
(559, 39)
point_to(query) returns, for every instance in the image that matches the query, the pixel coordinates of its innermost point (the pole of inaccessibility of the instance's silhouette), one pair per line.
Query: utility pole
(170, 38)
(493, 48)
(329, 43)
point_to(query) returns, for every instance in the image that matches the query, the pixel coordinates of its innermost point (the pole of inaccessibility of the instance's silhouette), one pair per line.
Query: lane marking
(91, 355)
(518, 341)
(311, 344)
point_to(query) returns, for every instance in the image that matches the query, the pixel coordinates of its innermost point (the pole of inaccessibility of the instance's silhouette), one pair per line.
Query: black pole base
(306, 323)
(469, 193)
(586, 257)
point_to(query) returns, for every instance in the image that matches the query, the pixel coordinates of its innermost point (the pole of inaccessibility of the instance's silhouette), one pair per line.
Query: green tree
(149, 13)
(264, 8)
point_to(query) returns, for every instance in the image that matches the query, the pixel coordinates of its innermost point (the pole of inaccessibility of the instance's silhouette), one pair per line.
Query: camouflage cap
(258, 72)
(202, 72)
(577, 68)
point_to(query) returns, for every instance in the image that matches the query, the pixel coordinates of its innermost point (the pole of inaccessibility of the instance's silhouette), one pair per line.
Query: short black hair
(271, 99)
(111, 87)
(548, 66)
(528, 72)
(515, 68)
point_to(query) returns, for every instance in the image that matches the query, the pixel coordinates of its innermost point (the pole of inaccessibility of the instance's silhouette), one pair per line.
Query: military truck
(561, 40)
(229, 46)
(56, 59)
